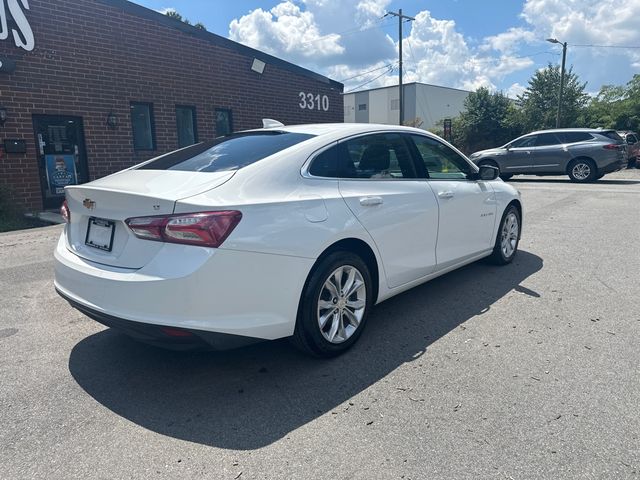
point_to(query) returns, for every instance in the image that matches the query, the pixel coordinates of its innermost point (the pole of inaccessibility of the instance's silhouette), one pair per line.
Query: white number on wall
(309, 101)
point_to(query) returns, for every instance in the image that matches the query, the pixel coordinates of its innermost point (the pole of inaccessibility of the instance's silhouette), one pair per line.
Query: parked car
(585, 155)
(633, 147)
(278, 232)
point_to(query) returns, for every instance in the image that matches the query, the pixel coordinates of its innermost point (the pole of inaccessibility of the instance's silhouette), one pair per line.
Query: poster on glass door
(61, 171)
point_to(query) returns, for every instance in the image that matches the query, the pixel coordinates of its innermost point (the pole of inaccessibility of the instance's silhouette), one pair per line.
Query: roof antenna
(271, 123)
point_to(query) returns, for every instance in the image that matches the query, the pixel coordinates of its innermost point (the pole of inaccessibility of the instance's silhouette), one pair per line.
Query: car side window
(325, 164)
(440, 161)
(524, 142)
(573, 137)
(379, 156)
(546, 139)
(631, 139)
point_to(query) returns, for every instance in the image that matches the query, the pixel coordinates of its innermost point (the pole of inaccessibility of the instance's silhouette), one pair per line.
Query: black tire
(583, 165)
(499, 256)
(308, 335)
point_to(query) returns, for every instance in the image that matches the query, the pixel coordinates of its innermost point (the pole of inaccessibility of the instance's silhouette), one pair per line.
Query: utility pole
(560, 93)
(401, 19)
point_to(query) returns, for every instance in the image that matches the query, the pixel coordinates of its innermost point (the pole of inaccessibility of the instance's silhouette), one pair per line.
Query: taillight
(207, 229)
(64, 211)
(612, 146)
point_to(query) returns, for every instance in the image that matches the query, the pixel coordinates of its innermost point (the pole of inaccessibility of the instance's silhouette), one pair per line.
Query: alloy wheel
(581, 171)
(509, 239)
(341, 304)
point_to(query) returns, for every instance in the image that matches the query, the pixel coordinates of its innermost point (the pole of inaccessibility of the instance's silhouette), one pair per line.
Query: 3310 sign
(309, 101)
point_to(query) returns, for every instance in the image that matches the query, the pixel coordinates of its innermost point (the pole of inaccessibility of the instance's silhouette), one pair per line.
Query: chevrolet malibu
(278, 232)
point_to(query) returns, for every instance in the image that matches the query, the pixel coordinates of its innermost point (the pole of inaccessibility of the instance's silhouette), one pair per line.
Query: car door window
(546, 139)
(440, 161)
(379, 156)
(325, 164)
(524, 142)
(631, 139)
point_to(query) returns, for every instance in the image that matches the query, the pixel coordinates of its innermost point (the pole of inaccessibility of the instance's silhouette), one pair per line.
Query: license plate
(100, 234)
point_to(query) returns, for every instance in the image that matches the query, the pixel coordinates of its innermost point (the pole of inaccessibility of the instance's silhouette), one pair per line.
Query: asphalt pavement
(528, 371)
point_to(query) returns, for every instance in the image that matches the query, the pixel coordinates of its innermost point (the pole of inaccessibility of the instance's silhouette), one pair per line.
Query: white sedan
(278, 232)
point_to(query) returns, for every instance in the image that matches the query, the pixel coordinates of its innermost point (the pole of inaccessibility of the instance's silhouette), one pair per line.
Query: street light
(564, 57)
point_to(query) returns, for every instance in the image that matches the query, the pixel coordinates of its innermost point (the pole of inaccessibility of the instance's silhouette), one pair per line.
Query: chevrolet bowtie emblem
(89, 204)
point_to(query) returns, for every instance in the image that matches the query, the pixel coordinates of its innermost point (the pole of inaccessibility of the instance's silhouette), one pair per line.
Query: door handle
(371, 201)
(446, 194)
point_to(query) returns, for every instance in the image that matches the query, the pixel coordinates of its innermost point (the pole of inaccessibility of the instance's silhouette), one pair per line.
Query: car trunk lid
(97, 230)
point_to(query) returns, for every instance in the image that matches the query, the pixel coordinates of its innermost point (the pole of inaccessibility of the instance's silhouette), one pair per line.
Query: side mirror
(486, 172)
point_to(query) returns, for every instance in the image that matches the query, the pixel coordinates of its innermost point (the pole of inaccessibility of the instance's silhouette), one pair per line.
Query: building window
(362, 106)
(395, 104)
(142, 126)
(186, 123)
(224, 122)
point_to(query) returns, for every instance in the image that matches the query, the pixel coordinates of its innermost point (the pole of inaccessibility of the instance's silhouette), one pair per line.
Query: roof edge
(218, 40)
(407, 84)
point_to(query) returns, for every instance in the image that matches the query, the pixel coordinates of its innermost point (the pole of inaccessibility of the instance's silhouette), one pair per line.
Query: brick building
(88, 87)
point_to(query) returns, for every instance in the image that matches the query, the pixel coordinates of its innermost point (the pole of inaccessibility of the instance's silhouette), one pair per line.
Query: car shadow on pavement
(602, 181)
(249, 398)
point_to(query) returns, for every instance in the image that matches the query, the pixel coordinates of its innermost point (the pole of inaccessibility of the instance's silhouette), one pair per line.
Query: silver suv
(585, 154)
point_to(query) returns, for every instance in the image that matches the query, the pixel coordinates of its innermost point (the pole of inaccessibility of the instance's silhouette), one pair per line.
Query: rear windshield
(227, 153)
(613, 135)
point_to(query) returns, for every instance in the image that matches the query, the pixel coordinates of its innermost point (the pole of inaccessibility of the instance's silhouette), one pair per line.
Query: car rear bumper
(614, 166)
(229, 292)
(166, 337)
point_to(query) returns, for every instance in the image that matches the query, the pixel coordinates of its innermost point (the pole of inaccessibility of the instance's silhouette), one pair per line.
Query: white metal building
(428, 103)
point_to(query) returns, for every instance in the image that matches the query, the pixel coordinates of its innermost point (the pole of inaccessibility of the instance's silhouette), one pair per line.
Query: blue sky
(455, 43)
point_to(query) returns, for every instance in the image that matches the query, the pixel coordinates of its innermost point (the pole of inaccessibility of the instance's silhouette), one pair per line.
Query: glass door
(62, 158)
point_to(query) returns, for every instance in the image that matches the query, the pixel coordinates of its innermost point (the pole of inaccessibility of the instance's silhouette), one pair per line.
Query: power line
(365, 73)
(353, 31)
(389, 70)
(607, 46)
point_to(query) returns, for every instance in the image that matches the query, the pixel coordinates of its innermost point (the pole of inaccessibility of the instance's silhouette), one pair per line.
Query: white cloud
(166, 10)
(509, 41)
(285, 30)
(345, 38)
(441, 55)
(597, 22)
(514, 90)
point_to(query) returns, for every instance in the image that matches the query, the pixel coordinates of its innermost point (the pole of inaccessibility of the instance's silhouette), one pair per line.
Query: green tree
(539, 101)
(605, 109)
(615, 106)
(175, 15)
(488, 120)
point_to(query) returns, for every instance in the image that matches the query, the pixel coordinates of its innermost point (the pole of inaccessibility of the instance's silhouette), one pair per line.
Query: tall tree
(539, 101)
(615, 106)
(488, 120)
